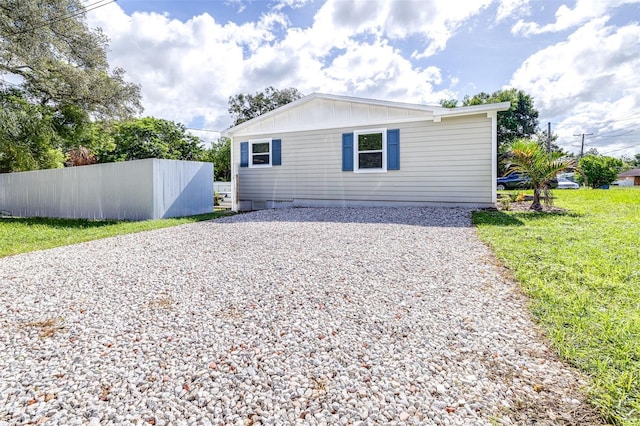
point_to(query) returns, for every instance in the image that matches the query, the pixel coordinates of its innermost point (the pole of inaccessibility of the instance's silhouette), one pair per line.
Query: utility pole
(582, 146)
(549, 135)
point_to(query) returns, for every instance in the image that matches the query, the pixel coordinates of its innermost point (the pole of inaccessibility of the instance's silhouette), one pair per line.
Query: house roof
(320, 110)
(630, 173)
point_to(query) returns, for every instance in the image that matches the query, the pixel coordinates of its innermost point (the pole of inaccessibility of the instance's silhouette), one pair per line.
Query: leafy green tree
(245, 106)
(148, 137)
(220, 155)
(60, 60)
(448, 103)
(28, 140)
(600, 170)
(528, 158)
(520, 121)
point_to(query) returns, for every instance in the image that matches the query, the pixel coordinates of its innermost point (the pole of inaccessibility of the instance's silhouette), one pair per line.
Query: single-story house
(630, 177)
(328, 150)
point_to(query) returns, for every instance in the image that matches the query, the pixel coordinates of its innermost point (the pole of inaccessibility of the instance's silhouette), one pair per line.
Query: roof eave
(317, 95)
(474, 109)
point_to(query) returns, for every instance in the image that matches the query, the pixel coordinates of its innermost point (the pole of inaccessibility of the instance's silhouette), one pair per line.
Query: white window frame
(356, 157)
(256, 141)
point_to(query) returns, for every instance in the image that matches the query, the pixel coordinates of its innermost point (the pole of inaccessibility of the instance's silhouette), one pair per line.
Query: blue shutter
(244, 154)
(393, 149)
(347, 152)
(276, 149)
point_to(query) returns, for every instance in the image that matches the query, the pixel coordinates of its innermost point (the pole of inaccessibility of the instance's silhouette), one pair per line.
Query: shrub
(600, 170)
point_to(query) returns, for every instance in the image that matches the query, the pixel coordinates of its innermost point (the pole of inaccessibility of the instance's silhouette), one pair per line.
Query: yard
(580, 268)
(21, 235)
(582, 271)
(318, 316)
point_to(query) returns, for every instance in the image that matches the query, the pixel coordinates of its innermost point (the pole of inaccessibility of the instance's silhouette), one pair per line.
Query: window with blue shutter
(261, 153)
(347, 152)
(244, 154)
(371, 150)
(393, 149)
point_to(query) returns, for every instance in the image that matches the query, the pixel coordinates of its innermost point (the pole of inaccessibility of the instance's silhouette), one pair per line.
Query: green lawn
(582, 272)
(20, 235)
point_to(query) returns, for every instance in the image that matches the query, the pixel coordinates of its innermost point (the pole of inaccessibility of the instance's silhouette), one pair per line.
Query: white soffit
(321, 111)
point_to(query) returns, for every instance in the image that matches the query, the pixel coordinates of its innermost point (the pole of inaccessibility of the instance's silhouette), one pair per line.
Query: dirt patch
(525, 206)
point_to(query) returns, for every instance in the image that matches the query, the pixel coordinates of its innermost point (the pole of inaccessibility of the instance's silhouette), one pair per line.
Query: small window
(260, 153)
(370, 150)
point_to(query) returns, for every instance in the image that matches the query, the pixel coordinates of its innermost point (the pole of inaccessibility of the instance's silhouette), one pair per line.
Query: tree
(220, 155)
(592, 151)
(528, 158)
(28, 140)
(631, 162)
(448, 103)
(60, 61)
(519, 121)
(245, 106)
(148, 137)
(600, 170)
(543, 140)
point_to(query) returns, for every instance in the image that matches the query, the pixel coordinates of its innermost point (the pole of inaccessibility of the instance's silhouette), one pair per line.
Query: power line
(629, 115)
(89, 8)
(621, 149)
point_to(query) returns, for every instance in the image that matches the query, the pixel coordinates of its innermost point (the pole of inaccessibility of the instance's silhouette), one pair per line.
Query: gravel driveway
(293, 316)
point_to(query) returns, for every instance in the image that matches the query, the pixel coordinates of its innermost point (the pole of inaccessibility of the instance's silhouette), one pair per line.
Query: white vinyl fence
(133, 190)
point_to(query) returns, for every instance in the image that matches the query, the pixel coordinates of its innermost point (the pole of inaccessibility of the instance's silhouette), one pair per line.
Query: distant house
(328, 150)
(630, 177)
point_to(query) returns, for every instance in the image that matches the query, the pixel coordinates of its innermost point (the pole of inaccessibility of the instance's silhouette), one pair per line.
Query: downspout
(493, 115)
(234, 170)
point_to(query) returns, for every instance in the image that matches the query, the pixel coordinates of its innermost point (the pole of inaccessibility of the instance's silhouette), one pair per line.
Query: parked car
(567, 184)
(513, 181)
(518, 181)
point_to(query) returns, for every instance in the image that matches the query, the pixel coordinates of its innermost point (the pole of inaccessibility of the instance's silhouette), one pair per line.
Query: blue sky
(577, 58)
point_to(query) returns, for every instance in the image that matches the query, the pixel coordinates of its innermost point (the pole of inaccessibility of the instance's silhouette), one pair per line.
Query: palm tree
(528, 158)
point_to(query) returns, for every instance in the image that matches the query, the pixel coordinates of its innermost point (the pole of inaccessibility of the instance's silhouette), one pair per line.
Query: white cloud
(189, 69)
(587, 82)
(510, 8)
(566, 17)
(435, 21)
(186, 69)
(293, 4)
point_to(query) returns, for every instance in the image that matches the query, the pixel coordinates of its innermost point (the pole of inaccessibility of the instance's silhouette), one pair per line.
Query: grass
(20, 235)
(581, 270)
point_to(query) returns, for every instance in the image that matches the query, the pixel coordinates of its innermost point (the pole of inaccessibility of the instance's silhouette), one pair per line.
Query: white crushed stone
(278, 317)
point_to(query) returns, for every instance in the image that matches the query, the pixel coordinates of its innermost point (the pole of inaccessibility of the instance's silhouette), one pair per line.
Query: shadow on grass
(60, 223)
(500, 218)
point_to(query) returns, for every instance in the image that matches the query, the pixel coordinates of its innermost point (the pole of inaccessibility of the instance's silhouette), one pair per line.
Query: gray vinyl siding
(446, 162)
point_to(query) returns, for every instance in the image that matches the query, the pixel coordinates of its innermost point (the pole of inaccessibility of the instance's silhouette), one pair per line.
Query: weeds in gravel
(20, 235)
(162, 303)
(582, 272)
(47, 327)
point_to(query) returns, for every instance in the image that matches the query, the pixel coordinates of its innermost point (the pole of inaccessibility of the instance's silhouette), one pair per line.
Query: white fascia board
(386, 123)
(470, 110)
(436, 110)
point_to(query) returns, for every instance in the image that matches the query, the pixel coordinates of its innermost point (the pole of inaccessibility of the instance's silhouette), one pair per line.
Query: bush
(600, 170)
